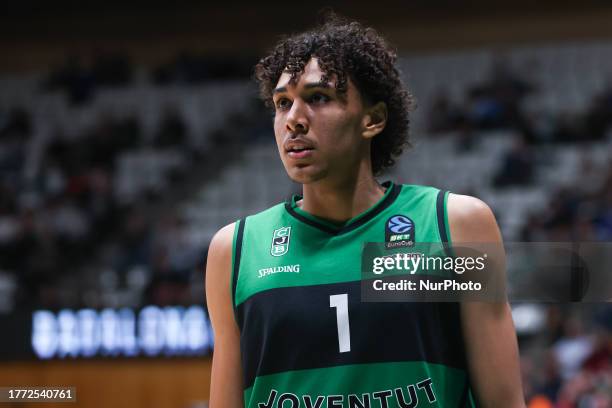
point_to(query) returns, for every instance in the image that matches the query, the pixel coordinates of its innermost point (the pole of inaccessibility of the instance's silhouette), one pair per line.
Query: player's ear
(375, 120)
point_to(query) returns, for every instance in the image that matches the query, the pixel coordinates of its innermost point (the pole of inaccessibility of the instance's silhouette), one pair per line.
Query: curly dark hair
(347, 49)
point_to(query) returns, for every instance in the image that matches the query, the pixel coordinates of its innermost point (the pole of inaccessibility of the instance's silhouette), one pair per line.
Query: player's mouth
(298, 148)
(299, 152)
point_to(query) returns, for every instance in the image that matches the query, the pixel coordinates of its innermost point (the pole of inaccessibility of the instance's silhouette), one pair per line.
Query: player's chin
(304, 173)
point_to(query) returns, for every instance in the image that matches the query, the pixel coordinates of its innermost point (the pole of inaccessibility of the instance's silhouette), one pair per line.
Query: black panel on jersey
(444, 234)
(440, 214)
(463, 402)
(299, 329)
(388, 200)
(237, 255)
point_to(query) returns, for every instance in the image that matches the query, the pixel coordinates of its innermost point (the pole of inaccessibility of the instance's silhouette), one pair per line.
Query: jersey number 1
(340, 302)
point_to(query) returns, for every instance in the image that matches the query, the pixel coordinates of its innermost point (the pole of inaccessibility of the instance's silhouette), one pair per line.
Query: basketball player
(283, 286)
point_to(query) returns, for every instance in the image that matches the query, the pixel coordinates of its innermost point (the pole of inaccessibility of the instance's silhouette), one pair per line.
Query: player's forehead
(312, 74)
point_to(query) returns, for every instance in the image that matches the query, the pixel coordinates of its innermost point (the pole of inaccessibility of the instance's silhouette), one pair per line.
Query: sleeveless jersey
(306, 338)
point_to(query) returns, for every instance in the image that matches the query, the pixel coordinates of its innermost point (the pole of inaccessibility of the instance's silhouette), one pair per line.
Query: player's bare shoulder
(226, 375)
(222, 240)
(471, 219)
(219, 262)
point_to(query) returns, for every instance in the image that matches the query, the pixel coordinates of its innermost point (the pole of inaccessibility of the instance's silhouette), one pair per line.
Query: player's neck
(341, 200)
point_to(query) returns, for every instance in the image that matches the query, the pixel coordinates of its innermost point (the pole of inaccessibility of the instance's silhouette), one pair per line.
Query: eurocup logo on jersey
(399, 232)
(280, 241)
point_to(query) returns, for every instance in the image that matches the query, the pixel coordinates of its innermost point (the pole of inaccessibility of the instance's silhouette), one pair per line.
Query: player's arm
(226, 378)
(490, 338)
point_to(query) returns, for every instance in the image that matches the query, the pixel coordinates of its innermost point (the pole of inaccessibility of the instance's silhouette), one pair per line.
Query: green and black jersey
(306, 338)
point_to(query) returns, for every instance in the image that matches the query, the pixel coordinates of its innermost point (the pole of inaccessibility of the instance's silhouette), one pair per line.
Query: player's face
(318, 134)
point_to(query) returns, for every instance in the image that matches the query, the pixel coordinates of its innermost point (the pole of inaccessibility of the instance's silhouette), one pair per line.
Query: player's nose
(297, 121)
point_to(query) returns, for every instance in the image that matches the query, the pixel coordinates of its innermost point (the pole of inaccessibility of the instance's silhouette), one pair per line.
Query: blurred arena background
(129, 133)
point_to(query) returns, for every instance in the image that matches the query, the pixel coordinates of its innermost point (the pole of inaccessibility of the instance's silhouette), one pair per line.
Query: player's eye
(282, 104)
(318, 97)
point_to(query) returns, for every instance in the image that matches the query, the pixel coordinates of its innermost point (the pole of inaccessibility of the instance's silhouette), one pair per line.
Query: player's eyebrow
(317, 85)
(309, 85)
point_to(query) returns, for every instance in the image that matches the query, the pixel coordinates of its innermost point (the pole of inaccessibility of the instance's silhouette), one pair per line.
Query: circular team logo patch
(399, 224)
(399, 232)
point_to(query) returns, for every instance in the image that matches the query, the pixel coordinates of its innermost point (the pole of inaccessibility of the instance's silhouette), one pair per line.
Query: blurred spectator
(133, 241)
(573, 348)
(492, 104)
(172, 130)
(16, 124)
(192, 68)
(75, 78)
(443, 115)
(581, 212)
(495, 103)
(517, 166)
(111, 69)
(81, 77)
(598, 117)
(603, 220)
(466, 138)
(567, 128)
